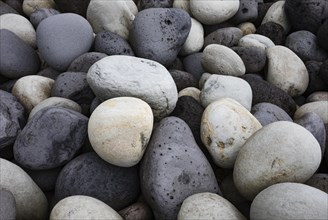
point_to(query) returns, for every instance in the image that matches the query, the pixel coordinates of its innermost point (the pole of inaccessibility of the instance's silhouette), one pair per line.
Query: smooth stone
(318, 96)
(273, 31)
(173, 168)
(183, 79)
(31, 203)
(322, 34)
(192, 64)
(266, 92)
(137, 211)
(247, 28)
(94, 104)
(45, 179)
(31, 90)
(256, 40)
(85, 61)
(213, 12)
(323, 73)
(41, 14)
(55, 102)
(203, 79)
(17, 5)
(319, 181)
(119, 130)
(228, 36)
(177, 64)
(195, 40)
(6, 9)
(144, 4)
(49, 73)
(290, 201)
(219, 59)
(30, 6)
(286, 71)
(89, 175)
(62, 38)
(276, 14)
(112, 44)
(51, 138)
(74, 86)
(306, 15)
(74, 6)
(191, 92)
(8, 85)
(218, 86)
(253, 58)
(208, 206)
(18, 59)
(294, 159)
(119, 75)
(247, 11)
(318, 107)
(267, 113)
(82, 207)
(20, 26)
(305, 45)
(315, 81)
(159, 33)
(7, 205)
(114, 16)
(225, 127)
(182, 4)
(12, 115)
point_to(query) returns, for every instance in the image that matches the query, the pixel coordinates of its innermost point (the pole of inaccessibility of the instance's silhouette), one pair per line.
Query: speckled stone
(228, 36)
(273, 31)
(183, 79)
(253, 58)
(85, 61)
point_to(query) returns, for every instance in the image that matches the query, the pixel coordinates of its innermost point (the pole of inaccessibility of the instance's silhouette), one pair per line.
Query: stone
(75, 6)
(262, 8)
(247, 28)
(12, 115)
(85, 61)
(213, 12)
(94, 104)
(319, 181)
(7, 205)
(144, 4)
(266, 92)
(254, 58)
(318, 107)
(247, 11)
(6, 9)
(182, 4)
(16, 5)
(137, 211)
(8, 85)
(277, 14)
(225, 127)
(18, 59)
(192, 64)
(273, 31)
(74, 86)
(219, 59)
(203, 79)
(173, 168)
(195, 40)
(183, 79)
(177, 64)
(55, 102)
(89, 175)
(20, 26)
(114, 16)
(31, 90)
(305, 45)
(228, 36)
(267, 113)
(191, 92)
(159, 33)
(45, 179)
(49, 73)
(306, 15)
(317, 96)
(50, 139)
(256, 40)
(62, 38)
(294, 158)
(119, 75)
(31, 203)
(112, 44)
(321, 35)
(208, 206)
(323, 72)
(286, 71)
(290, 201)
(218, 86)
(30, 6)
(41, 14)
(83, 207)
(119, 130)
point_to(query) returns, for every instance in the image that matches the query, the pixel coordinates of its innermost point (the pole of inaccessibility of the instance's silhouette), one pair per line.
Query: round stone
(318, 107)
(208, 206)
(317, 96)
(290, 201)
(82, 207)
(268, 113)
(225, 127)
(277, 14)
(195, 39)
(247, 28)
(119, 130)
(190, 91)
(30, 6)
(62, 38)
(276, 162)
(256, 40)
(218, 59)
(254, 58)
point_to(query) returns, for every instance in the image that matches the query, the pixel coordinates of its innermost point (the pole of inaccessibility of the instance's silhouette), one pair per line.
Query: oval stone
(271, 151)
(268, 113)
(228, 36)
(195, 39)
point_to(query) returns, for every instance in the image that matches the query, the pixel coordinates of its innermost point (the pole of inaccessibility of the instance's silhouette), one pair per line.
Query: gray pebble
(6, 9)
(183, 79)
(144, 4)
(254, 58)
(192, 64)
(41, 14)
(228, 36)
(247, 11)
(85, 61)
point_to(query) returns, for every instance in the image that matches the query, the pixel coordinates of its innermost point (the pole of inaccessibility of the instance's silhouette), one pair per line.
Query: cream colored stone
(195, 39)
(83, 207)
(318, 107)
(225, 127)
(287, 71)
(247, 28)
(279, 152)
(190, 91)
(31, 90)
(31, 203)
(182, 4)
(277, 14)
(119, 130)
(208, 206)
(30, 6)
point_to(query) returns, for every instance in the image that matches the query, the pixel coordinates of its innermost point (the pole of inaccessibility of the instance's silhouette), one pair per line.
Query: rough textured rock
(85, 61)
(253, 58)
(273, 31)
(228, 36)
(183, 79)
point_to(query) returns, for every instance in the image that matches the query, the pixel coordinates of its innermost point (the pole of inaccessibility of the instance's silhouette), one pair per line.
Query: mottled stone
(228, 36)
